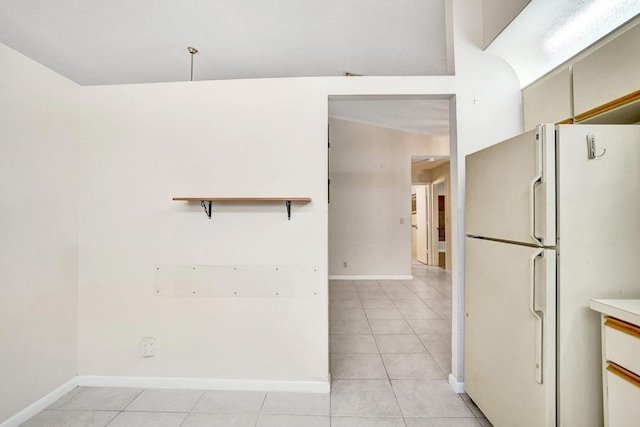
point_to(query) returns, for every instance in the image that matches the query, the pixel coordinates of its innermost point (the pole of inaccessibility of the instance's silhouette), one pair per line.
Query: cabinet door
(623, 402)
(548, 100)
(622, 343)
(607, 74)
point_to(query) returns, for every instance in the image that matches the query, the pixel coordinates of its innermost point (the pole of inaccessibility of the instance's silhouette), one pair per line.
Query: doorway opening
(381, 151)
(379, 146)
(431, 216)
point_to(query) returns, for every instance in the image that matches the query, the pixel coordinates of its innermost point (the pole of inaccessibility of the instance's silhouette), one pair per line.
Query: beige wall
(370, 171)
(39, 133)
(255, 138)
(260, 119)
(193, 136)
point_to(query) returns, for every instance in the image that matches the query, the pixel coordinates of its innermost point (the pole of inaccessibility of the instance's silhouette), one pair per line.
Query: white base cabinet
(623, 398)
(620, 361)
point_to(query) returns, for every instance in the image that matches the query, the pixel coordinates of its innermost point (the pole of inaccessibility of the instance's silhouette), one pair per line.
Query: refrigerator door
(510, 332)
(598, 247)
(510, 189)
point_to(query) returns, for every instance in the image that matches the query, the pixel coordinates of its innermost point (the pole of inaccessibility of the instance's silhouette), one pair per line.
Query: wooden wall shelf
(206, 202)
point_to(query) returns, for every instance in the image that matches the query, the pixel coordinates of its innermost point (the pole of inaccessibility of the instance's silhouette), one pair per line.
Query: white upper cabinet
(599, 85)
(607, 74)
(548, 100)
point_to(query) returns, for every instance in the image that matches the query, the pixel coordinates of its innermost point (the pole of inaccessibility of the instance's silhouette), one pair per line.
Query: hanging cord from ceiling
(192, 51)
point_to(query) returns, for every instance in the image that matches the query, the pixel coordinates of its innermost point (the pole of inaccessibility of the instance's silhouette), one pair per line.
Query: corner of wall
(39, 178)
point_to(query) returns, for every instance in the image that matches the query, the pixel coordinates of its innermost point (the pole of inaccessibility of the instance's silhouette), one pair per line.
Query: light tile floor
(390, 357)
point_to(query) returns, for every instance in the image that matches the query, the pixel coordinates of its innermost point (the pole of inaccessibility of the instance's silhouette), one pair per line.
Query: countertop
(627, 310)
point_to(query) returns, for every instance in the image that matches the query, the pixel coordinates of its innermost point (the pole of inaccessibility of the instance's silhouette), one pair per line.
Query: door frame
(434, 225)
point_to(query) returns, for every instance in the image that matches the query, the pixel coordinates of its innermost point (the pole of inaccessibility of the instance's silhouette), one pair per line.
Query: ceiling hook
(192, 51)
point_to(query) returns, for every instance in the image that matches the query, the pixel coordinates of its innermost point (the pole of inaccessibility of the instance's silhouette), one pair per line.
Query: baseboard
(40, 404)
(375, 277)
(457, 386)
(204, 384)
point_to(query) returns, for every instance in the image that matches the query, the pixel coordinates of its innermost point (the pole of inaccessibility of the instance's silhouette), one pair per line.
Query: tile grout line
(134, 398)
(389, 379)
(438, 314)
(261, 407)
(419, 340)
(378, 347)
(360, 296)
(439, 318)
(330, 390)
(194, 407)
(387, 372)
(185, 419)
(409, 324)
(125, 407)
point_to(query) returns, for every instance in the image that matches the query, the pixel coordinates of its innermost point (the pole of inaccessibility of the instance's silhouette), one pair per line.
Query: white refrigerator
(552, 221)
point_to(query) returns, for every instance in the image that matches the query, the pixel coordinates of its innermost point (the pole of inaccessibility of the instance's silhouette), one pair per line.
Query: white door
(510, 189)
(510, 332)
(422, 224)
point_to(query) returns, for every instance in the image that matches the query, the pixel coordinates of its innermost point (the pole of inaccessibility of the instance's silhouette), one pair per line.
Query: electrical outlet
(344, 264)
(401, 220)
(148, 347)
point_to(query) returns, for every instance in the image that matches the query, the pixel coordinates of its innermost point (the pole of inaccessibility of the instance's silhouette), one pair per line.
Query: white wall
(487, 110)
(39, 135)
(143, 144)
(370, 171)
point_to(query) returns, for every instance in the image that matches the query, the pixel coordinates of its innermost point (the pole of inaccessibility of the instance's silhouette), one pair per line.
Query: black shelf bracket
(203, 203)
(288, 205)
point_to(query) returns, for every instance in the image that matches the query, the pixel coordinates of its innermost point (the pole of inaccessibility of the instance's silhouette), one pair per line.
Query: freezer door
(510, 189)
(510, 332)
(598, 248)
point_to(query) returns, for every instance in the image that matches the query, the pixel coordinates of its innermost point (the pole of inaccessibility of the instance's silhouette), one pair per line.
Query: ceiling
(422, 116)
(496, 15)
(428, 162)
(549, 32)
(103, 42)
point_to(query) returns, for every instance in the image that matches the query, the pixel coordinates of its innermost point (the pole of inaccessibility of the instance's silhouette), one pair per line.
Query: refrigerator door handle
(537, 179)
(538, 314)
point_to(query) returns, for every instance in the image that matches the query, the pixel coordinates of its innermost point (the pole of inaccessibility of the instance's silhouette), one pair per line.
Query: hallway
(391, 353)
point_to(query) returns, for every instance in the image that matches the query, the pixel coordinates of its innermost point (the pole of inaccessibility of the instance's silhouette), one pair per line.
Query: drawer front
(624, 397)
(622, 342)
